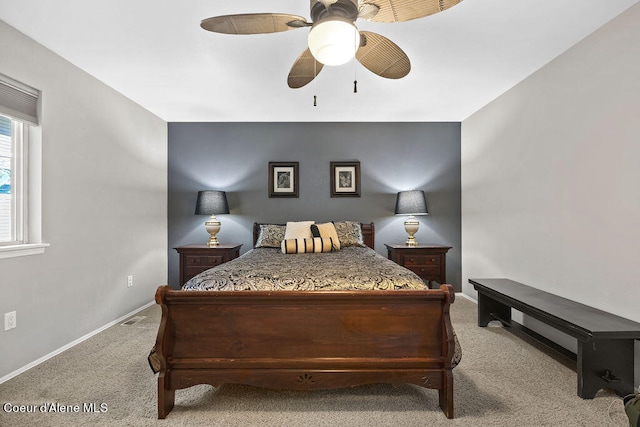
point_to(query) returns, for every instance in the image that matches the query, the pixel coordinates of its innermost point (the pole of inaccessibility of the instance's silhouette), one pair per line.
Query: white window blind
(18, 100)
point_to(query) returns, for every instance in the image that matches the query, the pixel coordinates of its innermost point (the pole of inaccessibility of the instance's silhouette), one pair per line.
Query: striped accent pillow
(326, 230)
(311, 245)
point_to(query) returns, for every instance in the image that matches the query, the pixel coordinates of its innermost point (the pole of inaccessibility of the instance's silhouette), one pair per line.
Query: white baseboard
(473, 300)
(72, 344)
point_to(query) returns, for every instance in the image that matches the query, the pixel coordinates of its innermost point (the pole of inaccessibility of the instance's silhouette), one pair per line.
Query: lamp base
(411, 241)
(411, 227)
(212, 225)
(213, 241)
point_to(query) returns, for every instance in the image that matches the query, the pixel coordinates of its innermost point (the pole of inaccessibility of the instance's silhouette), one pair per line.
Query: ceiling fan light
(334, 41)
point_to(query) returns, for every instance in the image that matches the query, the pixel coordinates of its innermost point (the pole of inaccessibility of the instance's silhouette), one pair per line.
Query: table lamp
(411, 203)
(212, 203)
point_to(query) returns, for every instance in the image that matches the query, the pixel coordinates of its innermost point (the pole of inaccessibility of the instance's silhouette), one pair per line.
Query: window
(20, 170)
(12, 142)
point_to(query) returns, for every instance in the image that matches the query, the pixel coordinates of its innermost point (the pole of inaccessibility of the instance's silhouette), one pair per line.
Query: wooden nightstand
(427, 261)
(195, 259)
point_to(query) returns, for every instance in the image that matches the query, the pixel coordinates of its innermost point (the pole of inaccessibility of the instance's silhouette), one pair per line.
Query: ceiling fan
(334, 39)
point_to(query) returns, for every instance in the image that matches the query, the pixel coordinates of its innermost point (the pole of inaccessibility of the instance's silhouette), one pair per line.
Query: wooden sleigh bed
(305, 340)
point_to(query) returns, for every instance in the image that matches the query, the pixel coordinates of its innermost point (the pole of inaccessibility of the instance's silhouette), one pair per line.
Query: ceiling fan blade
(383, 57)
(253, 23)
(303, 70)
(406, 10)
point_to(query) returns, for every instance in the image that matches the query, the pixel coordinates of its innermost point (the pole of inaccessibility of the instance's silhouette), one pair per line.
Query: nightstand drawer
(427, 261)
(208, 260)
(194, 259)
(421, 260)
(425, 271)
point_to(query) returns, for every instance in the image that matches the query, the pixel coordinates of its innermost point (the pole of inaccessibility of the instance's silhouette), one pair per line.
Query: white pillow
(298, 230)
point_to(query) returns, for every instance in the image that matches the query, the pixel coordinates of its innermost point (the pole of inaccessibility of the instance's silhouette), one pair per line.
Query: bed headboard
(368, 233)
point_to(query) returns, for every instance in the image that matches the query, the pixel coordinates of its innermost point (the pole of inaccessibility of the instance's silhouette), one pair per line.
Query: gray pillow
(270, 236)
(349, 233)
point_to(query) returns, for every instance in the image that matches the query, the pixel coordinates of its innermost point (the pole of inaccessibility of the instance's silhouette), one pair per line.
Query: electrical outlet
(10, 320)
(129, 281)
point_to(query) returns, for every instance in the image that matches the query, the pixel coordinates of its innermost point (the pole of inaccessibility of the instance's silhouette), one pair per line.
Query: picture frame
(345, 179)
(283, 179)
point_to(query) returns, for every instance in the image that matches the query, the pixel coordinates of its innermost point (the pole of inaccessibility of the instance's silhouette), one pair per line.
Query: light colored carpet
(502, 380)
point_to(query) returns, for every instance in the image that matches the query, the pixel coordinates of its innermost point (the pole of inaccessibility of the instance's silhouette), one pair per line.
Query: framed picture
(345, 179)
(283, 179)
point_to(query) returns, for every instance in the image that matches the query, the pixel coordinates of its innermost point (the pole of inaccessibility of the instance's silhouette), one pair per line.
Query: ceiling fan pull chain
(355, 77)
(315, 82)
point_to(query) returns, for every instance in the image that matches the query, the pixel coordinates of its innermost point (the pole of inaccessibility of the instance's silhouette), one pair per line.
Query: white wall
(550, 176)
(104, 208)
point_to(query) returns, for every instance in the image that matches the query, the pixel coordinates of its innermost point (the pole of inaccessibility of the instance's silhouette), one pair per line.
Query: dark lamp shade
(212, 203)
(411, 203)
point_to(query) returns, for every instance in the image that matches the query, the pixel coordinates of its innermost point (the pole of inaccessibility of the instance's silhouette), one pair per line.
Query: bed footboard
(305, 340)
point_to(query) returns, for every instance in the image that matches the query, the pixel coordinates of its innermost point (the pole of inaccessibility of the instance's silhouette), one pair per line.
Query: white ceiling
(154, 52)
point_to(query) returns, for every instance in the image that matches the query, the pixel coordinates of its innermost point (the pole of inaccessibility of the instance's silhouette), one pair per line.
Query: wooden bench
(605, 356)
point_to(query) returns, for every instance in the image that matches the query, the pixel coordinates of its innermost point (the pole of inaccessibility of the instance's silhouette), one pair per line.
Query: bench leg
(490, 309)
(605, 363)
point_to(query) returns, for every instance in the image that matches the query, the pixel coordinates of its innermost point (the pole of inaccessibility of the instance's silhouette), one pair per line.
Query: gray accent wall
(234, 157)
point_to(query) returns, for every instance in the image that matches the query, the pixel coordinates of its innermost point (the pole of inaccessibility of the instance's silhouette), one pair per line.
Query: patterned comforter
(351, 268)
